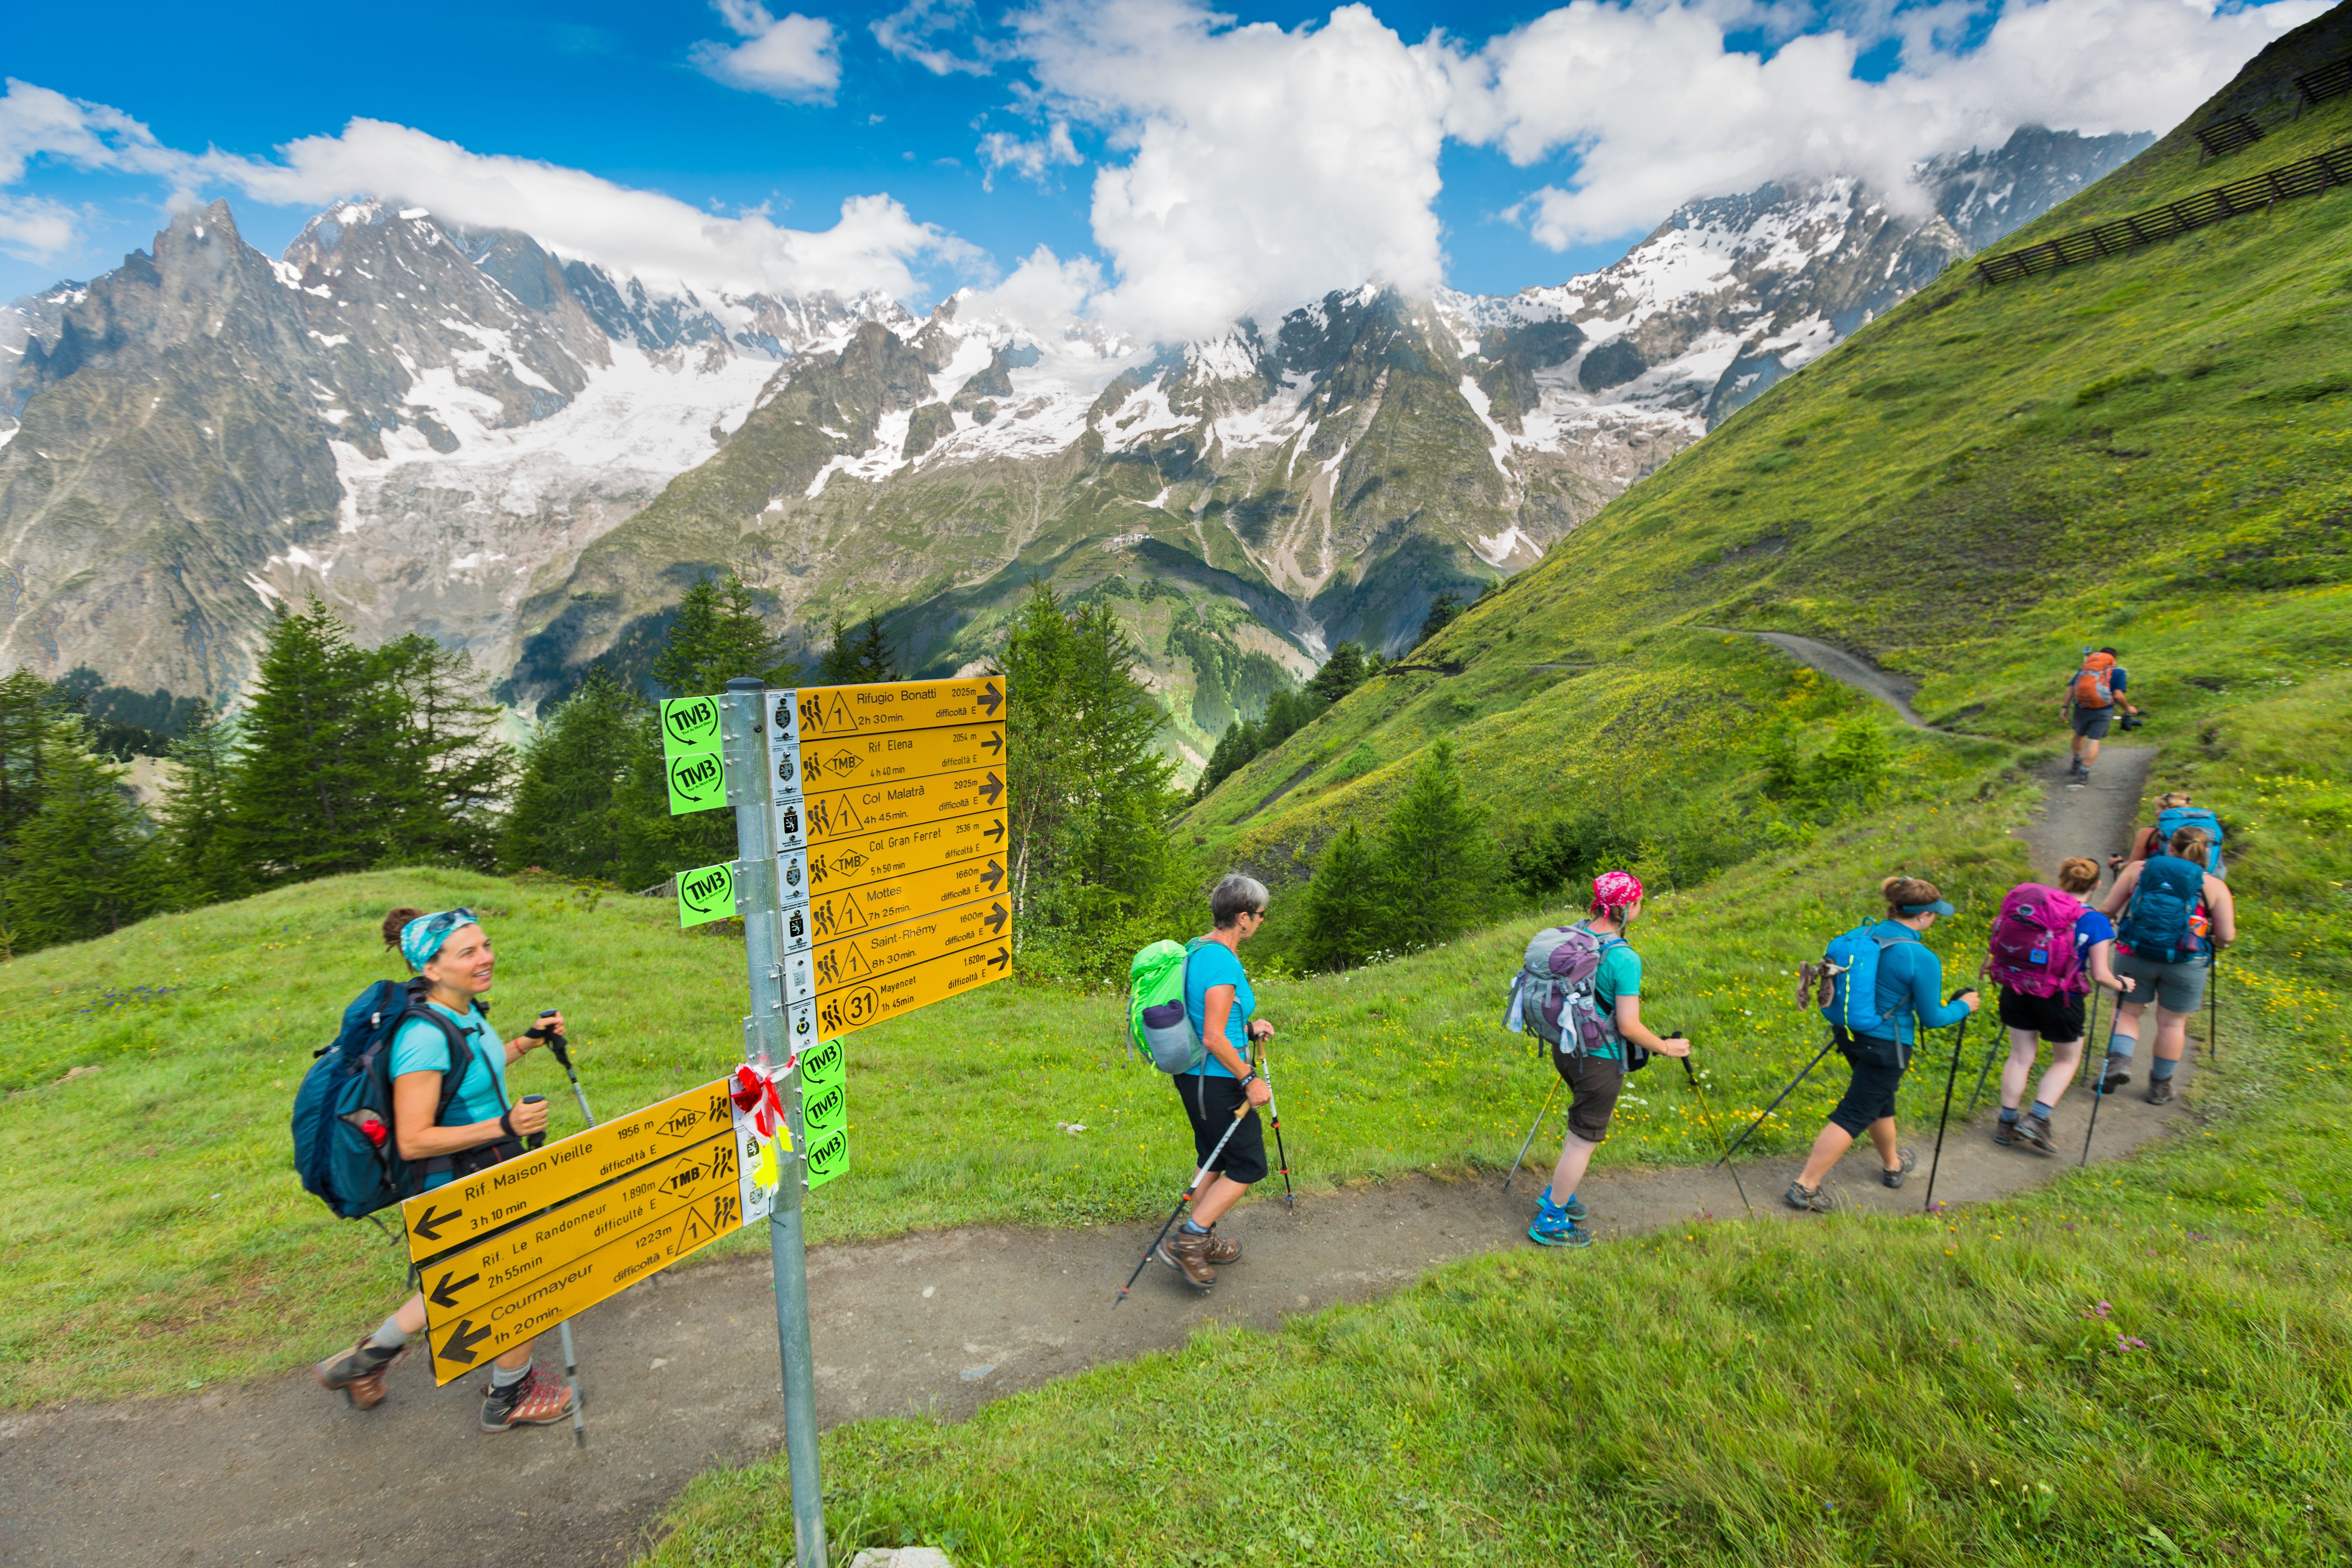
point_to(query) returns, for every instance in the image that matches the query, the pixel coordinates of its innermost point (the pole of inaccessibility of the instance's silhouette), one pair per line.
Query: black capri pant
(1877, 1066)
(1210, 1100)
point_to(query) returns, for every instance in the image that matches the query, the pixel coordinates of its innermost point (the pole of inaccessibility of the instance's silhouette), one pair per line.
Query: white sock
(500, 1377)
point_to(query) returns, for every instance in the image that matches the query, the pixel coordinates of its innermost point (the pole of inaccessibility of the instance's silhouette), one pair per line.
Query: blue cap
(1938, 908)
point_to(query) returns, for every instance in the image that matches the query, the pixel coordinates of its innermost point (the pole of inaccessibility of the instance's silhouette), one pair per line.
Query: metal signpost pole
(768, 1042)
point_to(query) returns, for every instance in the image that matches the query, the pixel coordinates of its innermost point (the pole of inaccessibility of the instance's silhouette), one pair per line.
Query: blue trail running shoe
(1574, 1208)
(1553, 1228)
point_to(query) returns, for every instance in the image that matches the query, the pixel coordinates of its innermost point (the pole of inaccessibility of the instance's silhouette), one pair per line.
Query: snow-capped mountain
(457, 431)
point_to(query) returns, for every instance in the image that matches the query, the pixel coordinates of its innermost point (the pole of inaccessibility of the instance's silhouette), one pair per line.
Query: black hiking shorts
(1244, 1157)
(1594, 1084)
(2057, 1019)
(1869, 1096)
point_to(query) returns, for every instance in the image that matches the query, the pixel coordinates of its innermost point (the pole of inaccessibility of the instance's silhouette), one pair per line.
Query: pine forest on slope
(458, 433)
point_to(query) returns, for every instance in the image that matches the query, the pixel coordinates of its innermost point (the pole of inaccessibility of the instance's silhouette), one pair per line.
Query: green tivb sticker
(828, 1156)
(707, 893)
(697, 782)
(821, 1064)
(690, 724)
(825, 1111)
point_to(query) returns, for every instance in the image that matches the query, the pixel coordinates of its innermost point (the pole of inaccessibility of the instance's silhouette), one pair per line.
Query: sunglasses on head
(449, 921)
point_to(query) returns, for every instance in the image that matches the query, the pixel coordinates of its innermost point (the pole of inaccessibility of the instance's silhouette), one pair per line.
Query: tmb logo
(698, 775)
(822, 1065)
(709, 890)
(690, 723)
(824, 1108)
(828, 1154)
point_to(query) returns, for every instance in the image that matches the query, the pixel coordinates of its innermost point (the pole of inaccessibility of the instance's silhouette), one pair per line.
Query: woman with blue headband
(451, 956)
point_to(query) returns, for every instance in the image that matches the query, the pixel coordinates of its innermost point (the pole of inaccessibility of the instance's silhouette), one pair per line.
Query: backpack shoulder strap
(461, 1054)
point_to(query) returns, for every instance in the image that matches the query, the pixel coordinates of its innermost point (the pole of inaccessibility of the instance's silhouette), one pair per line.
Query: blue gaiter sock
(2042, 1111)
(2160, 1070)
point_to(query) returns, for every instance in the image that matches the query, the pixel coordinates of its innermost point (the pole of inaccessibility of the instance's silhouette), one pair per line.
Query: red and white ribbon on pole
(754, 1094)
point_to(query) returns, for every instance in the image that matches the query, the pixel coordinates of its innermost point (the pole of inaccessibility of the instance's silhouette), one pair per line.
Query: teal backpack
(1156, 1022)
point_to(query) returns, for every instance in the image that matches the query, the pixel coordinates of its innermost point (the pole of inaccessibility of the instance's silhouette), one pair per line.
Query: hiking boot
(1894, 1178)
(537, 1401)
(358, 1373)
(2159, 1091)
(1221, 1250)
(1812, 1200)
(1188, 1255)
(2035, 1129)
(1574, 1208)
(2118, 1076)
(1552, 1227)
(2008, 1135)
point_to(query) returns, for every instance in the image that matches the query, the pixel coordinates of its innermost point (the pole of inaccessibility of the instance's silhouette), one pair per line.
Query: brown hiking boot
(1188, 1255)
(537, 1401)
(2036, 1131)
(2160, 1091)
(1219, 1250)
(358, 1373)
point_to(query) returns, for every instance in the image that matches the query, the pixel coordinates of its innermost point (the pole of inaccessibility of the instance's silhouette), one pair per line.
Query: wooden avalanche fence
(2255, 193)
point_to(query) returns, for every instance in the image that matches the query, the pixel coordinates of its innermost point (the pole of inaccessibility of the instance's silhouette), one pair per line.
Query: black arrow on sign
(995, 743)
(460, 1348)
(996, 830)
(441, 1297)
(995, 917)
(1001, 959)
(991, 699)
(992, 876)
(991, 787)
(428, 1224)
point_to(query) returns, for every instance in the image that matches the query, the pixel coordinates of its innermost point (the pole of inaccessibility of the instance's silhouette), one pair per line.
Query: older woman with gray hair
(1219, 1001)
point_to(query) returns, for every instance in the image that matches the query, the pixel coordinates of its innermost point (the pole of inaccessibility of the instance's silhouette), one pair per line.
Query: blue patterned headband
(420, 940)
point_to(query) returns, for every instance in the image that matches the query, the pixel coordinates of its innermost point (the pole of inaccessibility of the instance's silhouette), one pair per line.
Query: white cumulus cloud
(923, 30)
(1256, 166)
(792, 57)
(1031, 158)
(36, 122)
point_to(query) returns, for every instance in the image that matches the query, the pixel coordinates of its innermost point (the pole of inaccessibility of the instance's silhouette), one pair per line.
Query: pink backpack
(2034, 947)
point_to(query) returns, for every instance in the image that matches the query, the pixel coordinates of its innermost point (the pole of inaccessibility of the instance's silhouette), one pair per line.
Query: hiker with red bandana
(1586, 980)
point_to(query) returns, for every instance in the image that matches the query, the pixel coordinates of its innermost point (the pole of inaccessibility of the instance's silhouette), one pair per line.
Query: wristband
(506, 1123)
(1249, 1080)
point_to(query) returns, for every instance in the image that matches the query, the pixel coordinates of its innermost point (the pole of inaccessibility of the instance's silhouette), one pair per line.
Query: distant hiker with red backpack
(2048, 949)
(2171, 916)
(1881, 985)
(2094, 692)
(450, 1117)
(1579, 990)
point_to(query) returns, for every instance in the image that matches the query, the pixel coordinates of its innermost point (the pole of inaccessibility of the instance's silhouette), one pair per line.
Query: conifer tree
(859, 657)
(197, 839)
(302, 794)
(1348, 915)
(1341, 673)
(1442, 866)
(1442, 612)
(443, 766)
(84, 863)
(27, 709)
(566, 812)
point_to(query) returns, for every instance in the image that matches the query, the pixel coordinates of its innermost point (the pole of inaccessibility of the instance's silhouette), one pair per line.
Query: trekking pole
(2213, 1010)
(1529, 1142)
(1198, 1177)
(1705, 1115)
(1984, 1076)
(2099, 1085)
(1274, 1110)
(1784, 1094)
(561, 1049)
(1960, 1039)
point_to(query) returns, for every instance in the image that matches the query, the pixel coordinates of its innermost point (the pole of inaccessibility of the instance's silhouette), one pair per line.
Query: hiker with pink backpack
(2048, 949)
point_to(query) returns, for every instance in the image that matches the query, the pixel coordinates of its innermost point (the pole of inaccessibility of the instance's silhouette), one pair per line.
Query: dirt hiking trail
(680, 1371)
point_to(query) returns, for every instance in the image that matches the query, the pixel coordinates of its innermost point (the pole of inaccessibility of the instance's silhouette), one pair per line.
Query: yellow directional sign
(461, 1283)
(869, 954)
(901, 803)
(854, 910)
(461, 1211)
(547, 1300)
(859, 1003)
(857, 860)
(873, 759)
(829, 712)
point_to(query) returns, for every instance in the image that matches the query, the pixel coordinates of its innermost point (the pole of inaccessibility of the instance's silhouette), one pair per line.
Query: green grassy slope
(2154, 450)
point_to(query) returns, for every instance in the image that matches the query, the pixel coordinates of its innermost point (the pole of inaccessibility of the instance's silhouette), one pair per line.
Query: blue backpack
(1847, 977)
(2173, 818)
(2160, 923)
(344, 1150)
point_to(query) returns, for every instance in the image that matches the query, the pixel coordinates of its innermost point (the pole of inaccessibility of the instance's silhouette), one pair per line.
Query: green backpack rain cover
(1156, 1019)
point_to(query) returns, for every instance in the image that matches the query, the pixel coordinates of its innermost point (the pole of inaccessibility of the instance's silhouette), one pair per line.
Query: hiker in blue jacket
(1219, 1001)
(453, 953)
(2171, 917)
(1909, 998)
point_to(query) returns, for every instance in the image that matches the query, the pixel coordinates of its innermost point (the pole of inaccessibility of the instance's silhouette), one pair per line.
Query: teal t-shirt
(1620, 975)
(421, 1047)
(1213, 963)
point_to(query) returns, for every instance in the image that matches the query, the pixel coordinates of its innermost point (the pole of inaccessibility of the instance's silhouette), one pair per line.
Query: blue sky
(1551, 137)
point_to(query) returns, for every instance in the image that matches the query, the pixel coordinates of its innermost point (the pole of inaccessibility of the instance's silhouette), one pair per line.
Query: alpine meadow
(1540, 664)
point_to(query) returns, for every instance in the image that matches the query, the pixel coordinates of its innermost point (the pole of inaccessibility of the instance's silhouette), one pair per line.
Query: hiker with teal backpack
(2048, 949)
(1879, 986)
(2172, 915)
(1190, 1009)
(449, 1116)
(2174, 811)
(1579, 991)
